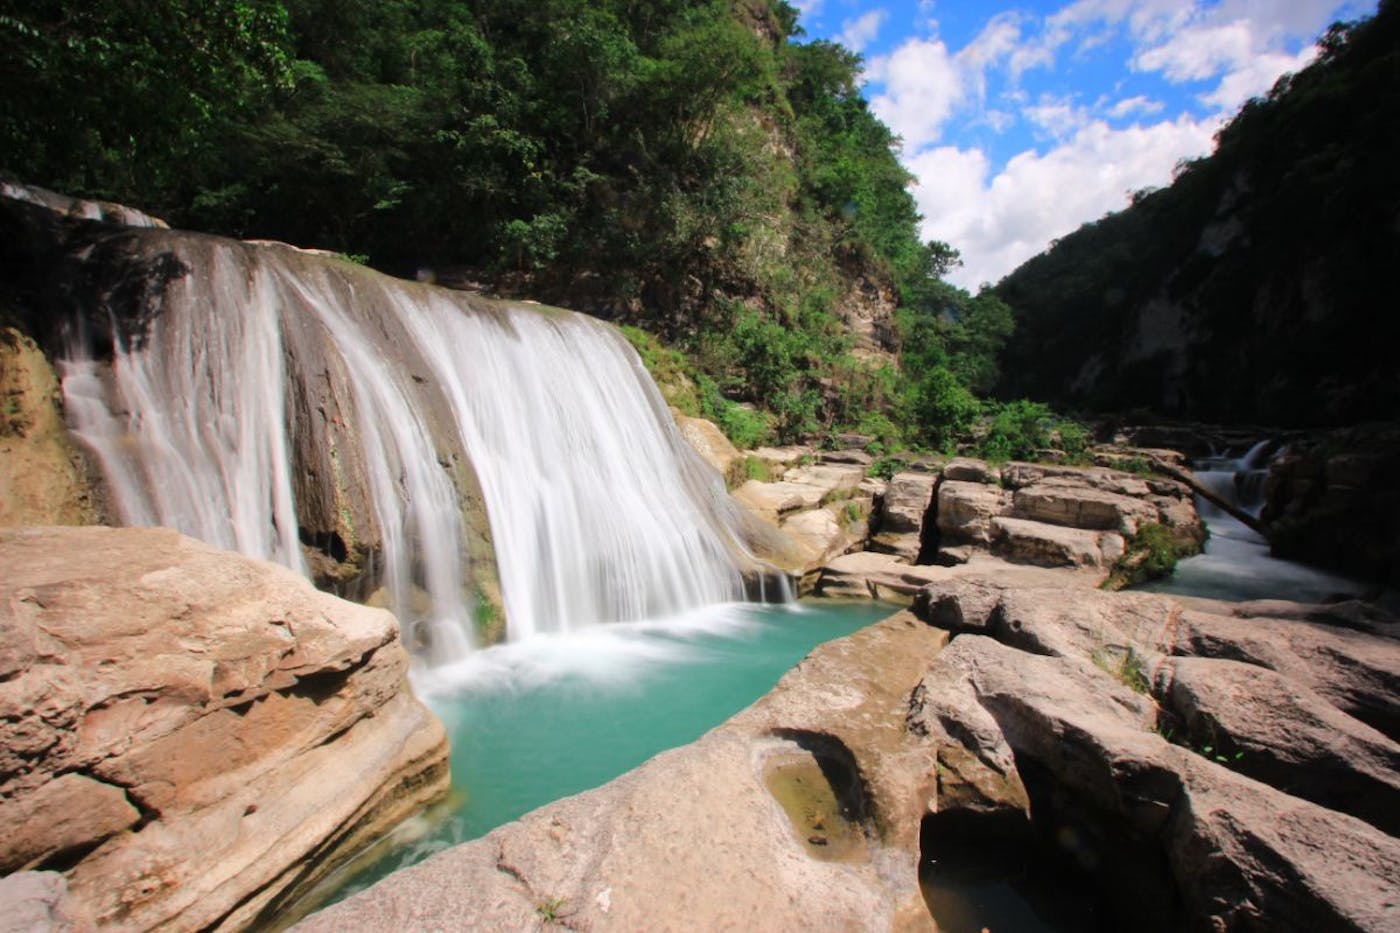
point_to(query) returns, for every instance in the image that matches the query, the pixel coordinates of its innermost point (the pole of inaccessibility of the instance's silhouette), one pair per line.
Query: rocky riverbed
(1204, 765)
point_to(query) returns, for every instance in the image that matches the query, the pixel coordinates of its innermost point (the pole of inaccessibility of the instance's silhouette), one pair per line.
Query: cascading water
(264, 388)
(1236, 563)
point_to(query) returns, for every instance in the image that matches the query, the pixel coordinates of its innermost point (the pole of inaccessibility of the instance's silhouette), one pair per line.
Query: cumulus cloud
(1197, 54)
(1060, 117)
(858, 33)
(922, 85)
(1254, 78)
(1000, 220)
(1131, 106)
(1219, 52)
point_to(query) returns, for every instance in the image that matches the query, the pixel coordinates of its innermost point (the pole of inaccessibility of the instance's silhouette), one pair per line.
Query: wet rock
(711, 444)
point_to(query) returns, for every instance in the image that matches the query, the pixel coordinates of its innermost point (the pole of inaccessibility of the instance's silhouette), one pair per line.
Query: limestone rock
(822, 537)
(1237, 852)
(966, 510)
(769, 500)
(968, 470)
(1019, 475)
(699, 837)
(907, 500)
(711, 444)
(42, 478)
(830, 481)
(849, 457)
(1285, 734)
(38, 902)
(1074, 506)
(1046, 545)
(222, 733)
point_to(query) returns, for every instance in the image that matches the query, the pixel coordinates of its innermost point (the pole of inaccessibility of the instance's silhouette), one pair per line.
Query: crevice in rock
(1067, 868)
(929, 538)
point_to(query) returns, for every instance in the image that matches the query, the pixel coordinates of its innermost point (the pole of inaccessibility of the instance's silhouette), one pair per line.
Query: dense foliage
(684, 165)
(1253, 288)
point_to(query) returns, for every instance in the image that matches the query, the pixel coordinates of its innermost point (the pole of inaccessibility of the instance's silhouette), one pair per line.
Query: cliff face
(1254, 288)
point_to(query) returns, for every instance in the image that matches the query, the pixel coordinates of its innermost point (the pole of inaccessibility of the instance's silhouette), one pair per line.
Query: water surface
(532, 722)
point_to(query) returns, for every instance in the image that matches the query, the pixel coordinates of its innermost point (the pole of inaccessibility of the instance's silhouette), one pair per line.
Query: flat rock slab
(1032, 542)
(833, 480)
(194, 736)
(1073, 506)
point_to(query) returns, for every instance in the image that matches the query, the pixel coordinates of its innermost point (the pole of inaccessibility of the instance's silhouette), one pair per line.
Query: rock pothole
(814, 779)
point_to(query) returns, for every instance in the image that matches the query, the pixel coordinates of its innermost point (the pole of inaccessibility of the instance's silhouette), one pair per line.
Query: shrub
(1152, 553)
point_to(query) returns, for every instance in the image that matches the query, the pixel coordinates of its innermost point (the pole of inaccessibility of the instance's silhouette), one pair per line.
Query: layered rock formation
(193, 738)
(1022, 514)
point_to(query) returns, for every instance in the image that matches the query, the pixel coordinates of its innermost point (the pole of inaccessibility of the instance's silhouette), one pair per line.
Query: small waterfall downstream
(363, 430)
(1236, 563)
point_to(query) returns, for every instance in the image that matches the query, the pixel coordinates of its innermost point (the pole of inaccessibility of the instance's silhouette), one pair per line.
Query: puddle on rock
(824, 817)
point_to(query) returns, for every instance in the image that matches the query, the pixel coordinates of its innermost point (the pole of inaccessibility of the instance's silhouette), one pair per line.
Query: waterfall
(268, 400)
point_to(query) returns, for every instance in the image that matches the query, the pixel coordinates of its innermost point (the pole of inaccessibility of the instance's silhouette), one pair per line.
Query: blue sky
(1023, 121)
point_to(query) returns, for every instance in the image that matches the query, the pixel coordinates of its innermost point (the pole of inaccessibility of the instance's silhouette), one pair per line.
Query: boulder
(1044, 545)
(907, 499)
(711, 444)
(966, 510)
(194, 737)
(969, 470)
(831, 481)
(770, 500)
(1019, 475)
(821, 536)
(1057, 502)
(850, 457)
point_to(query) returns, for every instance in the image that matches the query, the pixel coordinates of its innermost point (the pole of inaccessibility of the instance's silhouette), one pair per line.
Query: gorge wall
(1253, 290)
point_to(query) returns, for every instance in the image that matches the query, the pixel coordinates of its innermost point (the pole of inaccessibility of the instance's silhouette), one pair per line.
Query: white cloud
(1134, 105)
(1060, 117)
(998, 222)
(1221, 51)
(1255, 78)
(858, 33)
(1197, 54)
(922, 85)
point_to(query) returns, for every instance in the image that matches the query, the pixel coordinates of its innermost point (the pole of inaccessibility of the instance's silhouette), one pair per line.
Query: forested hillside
(688, 166)
(1260, 286)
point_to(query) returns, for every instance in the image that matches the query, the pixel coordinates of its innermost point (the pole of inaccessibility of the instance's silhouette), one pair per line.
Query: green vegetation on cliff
(685, 166)
(1252, 289)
